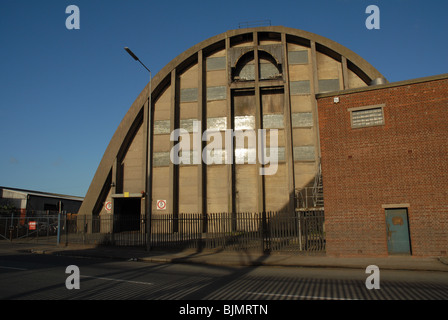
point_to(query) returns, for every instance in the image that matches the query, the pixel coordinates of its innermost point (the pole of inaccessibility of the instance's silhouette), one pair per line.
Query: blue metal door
(398, 231)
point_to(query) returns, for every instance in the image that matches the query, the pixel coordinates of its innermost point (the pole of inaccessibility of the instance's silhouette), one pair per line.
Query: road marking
(118, 280)
(21, 269)
(297, 296)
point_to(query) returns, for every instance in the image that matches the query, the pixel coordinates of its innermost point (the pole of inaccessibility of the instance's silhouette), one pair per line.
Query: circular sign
(108, 206)
(161, 204)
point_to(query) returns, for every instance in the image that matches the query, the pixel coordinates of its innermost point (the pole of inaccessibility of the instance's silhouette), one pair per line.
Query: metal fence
(295, 232)
(40, 227)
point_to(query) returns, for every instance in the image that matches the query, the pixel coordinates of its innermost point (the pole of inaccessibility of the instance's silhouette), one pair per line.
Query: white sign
(161, 204)
(108, 206)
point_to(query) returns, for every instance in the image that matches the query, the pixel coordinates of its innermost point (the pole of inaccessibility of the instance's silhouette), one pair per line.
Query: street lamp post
(148, 197)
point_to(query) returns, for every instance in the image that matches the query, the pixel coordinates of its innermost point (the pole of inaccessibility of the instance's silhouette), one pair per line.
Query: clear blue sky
(64, 92)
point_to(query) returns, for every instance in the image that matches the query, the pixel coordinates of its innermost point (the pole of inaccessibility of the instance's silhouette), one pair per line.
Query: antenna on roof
(252, 24)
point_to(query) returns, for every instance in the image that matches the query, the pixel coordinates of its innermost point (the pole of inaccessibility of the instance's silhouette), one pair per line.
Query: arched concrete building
(256, 78)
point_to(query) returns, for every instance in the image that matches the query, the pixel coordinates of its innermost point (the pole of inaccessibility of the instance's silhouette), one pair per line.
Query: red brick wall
(404, 161)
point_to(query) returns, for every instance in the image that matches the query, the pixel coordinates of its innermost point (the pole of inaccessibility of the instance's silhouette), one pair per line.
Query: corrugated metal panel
(298, 57)
(216, 93)
(300, 87)
(280, 153)
(187, 124)
(245, 122)
(271, 121)
(304, 153)
(247, 72)
(162, 127)
(244, 155)
(268, 71)
(216, 63)
(219, 123)
(302, 119)
(189, 95)
(161, 159)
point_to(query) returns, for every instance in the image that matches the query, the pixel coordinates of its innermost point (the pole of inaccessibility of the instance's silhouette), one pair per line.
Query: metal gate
(38, 228)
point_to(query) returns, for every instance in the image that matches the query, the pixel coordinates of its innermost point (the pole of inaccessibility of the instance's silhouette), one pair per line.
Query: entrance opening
(398, 241)
(127, 213)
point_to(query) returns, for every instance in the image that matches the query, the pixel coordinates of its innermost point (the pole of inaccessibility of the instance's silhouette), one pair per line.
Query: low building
(384, 155)
(29, 203)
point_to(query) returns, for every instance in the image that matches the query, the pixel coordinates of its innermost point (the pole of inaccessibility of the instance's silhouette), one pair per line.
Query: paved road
(31, 276)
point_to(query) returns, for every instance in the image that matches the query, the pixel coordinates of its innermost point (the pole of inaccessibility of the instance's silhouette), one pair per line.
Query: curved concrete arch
(163, 78)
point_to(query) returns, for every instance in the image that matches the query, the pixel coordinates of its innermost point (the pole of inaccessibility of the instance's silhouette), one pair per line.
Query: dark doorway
(127, 213)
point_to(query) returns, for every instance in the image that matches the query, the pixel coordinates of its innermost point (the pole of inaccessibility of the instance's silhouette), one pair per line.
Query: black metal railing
(269, 232)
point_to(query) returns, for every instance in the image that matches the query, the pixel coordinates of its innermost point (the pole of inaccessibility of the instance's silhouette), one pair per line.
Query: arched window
(269, 69)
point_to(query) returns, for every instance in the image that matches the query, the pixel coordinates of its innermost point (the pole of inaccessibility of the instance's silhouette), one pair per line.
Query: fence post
(299, 220)
(58, 238)
(66, 229)
(11, 227)
(264, 227)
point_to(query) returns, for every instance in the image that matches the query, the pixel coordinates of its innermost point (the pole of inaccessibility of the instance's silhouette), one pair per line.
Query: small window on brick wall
(367, 116)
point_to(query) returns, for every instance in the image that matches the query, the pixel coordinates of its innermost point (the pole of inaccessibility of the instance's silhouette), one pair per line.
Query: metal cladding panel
(300, 87)
(189, 95)
(273, 121)
(245, 123)
(302, 119)
(162, 127)
(161, 159)
(298, 57)
(304, 153)
(247, 72)
(280, 153)
(216, 63)
(187, 124)
(218, 124)
(245, 155)
(268, 71)
(216, 93)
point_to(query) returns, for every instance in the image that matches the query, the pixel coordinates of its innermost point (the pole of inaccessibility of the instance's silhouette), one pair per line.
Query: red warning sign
(161, 204)
(32, 225)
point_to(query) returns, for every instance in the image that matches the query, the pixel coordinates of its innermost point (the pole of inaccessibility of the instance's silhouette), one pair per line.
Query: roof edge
(442, 76)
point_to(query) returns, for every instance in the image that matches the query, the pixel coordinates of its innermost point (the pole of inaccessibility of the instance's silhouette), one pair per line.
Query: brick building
(384, 162)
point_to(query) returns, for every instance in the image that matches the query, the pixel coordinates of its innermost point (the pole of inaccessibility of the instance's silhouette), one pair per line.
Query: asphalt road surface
(43, 277)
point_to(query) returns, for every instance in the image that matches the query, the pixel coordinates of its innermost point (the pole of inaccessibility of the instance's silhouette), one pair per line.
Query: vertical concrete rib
(258, 124)
(288, 128)
(174, 181)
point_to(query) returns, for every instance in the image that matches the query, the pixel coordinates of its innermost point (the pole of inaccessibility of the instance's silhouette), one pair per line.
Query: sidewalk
(226, 258)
